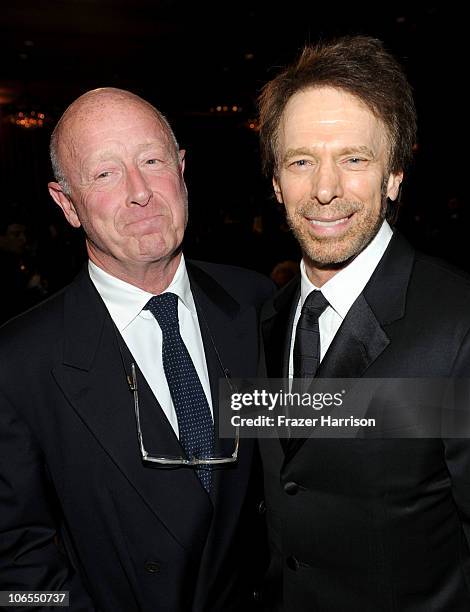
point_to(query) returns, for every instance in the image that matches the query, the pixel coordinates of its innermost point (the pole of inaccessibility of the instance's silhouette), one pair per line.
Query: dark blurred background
(203, 64)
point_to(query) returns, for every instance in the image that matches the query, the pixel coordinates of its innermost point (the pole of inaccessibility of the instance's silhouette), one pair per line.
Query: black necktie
(307, 336)
(196, 430)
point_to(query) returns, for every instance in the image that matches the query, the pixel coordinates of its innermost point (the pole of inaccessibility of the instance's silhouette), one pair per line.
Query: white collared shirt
(341, 290)
(143, 335)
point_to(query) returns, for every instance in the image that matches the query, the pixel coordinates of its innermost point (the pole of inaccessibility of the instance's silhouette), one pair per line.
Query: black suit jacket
(373, 525)
(79, 510)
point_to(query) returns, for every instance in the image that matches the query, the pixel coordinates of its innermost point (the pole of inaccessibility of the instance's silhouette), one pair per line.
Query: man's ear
(182, 159)
(65, 203)
(393, 185)
(277, 190)
(182, 162)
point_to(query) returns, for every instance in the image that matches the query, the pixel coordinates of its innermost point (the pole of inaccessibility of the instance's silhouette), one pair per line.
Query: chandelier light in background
(27, 119)
(226, 108)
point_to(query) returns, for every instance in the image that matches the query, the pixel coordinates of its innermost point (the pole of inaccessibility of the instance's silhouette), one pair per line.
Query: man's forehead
(93, 118)
(330, 114)
(327, 106)
(102, 100)
(96, 133)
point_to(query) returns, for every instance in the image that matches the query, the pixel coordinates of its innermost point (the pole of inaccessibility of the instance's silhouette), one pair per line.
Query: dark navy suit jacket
(79, 510)
(372, 525)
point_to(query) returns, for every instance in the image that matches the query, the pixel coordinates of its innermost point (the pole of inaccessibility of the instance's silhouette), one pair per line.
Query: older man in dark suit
(364, 525)
(113, 483)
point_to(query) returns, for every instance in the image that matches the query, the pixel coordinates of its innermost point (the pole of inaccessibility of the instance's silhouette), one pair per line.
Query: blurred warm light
(8, 93)
(28, 119)
(234, 108)
(253, 124)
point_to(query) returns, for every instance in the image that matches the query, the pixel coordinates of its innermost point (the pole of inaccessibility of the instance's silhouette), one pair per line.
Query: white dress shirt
(143, 335)
(341, 290)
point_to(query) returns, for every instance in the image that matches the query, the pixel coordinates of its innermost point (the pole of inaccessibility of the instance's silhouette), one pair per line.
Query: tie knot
(315, 303)
(164, 308)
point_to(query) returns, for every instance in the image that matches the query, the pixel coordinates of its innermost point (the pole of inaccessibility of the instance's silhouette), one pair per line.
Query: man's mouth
(146, 223)
(331, 228)
(329, 222)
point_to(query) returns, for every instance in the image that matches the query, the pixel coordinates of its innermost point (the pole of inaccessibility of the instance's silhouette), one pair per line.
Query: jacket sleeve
(30, 558)
(457, 449)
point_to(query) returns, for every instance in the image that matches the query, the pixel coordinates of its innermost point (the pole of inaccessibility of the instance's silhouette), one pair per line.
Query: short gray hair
(55, 161)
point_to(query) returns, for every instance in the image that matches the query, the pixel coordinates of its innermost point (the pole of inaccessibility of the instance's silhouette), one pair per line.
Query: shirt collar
(343, 288)
(125, 301)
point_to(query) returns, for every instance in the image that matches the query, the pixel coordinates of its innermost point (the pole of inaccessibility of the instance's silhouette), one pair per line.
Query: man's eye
(299, 163)
(355, 161)
(104, 174)
(152, 161)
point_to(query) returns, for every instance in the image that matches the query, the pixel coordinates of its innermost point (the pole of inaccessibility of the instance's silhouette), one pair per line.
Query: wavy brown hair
(359, 65)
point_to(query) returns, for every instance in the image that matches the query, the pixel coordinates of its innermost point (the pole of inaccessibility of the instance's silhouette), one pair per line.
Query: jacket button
(151, 567)
(261, 507)
(291, 488)
(292, 563)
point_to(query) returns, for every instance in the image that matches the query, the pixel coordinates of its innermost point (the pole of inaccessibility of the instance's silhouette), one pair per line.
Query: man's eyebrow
(103, 155)
(106, 155)
(154, 144)
(353, 150)
(89, 164)
(361, 149)
(295, 152)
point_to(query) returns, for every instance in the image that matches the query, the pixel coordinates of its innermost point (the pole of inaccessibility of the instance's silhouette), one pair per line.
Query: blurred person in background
(22, 284)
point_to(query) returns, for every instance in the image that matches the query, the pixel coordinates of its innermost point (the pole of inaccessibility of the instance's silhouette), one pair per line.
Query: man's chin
(335, 253)
(327, 263)
(328, 252)
(152, 248)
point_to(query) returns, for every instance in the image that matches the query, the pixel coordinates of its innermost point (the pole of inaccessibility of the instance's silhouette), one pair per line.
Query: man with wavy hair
(359, 524)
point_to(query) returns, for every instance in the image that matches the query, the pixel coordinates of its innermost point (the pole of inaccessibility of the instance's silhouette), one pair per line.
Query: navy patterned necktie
(196, 430)
(307, 336)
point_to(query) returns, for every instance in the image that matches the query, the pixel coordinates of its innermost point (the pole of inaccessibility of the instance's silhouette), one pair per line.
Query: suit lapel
(229, 336)
(225, 330)
(362, 336)
(357, 344)
(93, 379)
(277, 320)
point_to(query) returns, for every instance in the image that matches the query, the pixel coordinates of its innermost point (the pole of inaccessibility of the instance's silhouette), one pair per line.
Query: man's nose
(139, 191)
(327, 182)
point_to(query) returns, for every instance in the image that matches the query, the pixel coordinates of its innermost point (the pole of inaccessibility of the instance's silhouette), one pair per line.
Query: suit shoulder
(246, 286)
(280, 298)
(38, 326)
(441, 277)
(440, 294)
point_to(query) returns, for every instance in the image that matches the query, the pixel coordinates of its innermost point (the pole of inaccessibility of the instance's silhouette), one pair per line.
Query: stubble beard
(335, 253)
